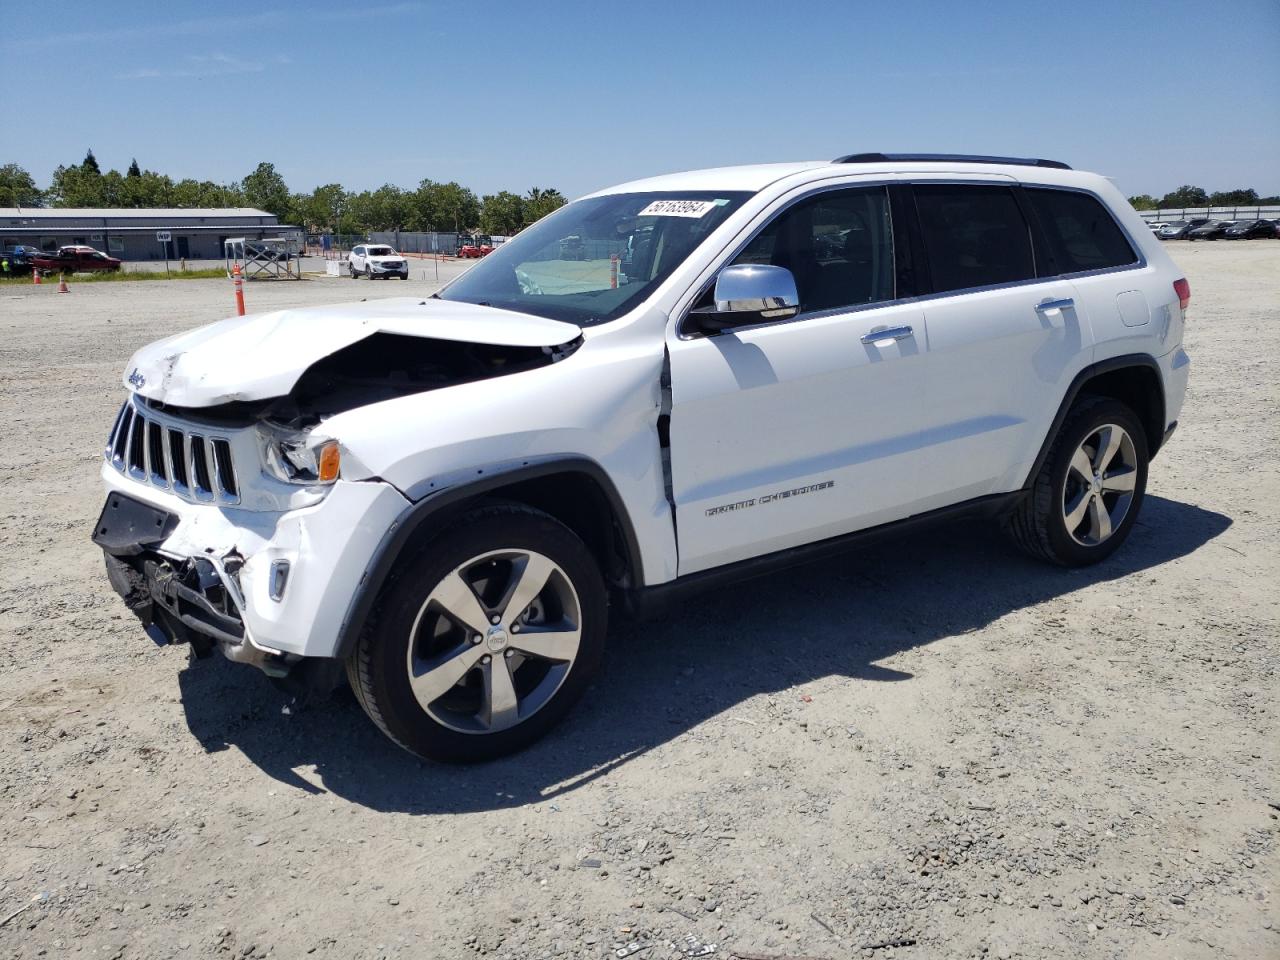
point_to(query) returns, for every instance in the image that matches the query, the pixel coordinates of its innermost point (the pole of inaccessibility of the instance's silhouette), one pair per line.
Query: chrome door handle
(887, 333)
(1066, 303)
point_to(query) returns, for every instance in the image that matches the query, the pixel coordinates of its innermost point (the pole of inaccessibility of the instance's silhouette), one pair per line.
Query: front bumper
(230, 559)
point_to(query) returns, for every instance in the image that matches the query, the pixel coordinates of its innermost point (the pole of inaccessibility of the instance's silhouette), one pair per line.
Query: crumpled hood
(260, 356)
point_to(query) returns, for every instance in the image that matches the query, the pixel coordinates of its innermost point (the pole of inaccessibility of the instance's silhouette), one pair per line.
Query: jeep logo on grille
(137, 380)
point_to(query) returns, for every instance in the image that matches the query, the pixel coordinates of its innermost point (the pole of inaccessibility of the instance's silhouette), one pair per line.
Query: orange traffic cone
(36, 275)
(62, 283)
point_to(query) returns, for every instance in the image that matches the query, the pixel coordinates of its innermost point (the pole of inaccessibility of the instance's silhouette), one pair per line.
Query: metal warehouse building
(130, 234)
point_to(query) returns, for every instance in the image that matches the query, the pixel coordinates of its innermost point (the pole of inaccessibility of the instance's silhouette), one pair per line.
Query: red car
(75, 260)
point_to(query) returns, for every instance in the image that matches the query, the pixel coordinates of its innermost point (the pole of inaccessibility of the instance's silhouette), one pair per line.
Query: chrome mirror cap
(757, 288)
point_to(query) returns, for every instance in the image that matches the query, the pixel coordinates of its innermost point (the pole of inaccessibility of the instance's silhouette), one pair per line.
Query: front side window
(838, 246)
(1080, 232)
(595, 259)
(975, 236)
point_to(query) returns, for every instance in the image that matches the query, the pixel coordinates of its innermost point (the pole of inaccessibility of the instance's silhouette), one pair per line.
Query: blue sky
(577, 96)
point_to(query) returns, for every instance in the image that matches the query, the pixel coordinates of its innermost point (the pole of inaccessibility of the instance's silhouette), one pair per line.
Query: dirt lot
(935, 744)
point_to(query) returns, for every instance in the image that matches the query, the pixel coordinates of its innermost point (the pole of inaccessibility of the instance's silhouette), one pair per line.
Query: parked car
(376, 261)
(1154, 226)
(1178, 229)
(75, 259)
(1250, 229)
(448, 496)
(20, 259)
(1211, 230)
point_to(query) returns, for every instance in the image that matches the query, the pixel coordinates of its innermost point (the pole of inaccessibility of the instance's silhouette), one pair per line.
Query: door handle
(1066, 303)
(887, 333)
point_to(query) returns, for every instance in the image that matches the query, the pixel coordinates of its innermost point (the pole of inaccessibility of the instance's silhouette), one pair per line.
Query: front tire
(1086, 497)
(485, 639)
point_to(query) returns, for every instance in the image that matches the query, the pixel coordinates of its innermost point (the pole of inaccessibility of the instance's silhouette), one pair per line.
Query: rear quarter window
(975, 236)
(1080, 231)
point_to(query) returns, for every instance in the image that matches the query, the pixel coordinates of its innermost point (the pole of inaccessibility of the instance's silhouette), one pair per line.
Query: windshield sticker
(678, 208)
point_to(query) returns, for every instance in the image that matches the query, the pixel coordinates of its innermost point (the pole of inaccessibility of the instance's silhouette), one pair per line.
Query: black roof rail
(948, 158)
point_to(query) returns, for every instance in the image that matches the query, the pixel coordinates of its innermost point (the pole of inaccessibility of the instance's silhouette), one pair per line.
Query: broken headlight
(300, 458)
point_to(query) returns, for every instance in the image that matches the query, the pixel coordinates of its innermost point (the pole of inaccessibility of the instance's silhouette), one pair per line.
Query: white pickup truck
(738, 368)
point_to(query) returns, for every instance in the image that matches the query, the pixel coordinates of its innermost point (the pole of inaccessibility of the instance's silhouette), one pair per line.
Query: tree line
(428, 206)
(1189, 196)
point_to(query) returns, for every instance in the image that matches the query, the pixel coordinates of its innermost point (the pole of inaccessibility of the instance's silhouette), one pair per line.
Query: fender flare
(432, 506)
(1078, 382)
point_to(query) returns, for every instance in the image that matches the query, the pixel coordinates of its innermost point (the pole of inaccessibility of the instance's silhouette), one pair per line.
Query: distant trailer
(271, 258)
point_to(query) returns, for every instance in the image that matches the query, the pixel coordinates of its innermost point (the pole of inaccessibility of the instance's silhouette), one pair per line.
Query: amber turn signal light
(330, 462)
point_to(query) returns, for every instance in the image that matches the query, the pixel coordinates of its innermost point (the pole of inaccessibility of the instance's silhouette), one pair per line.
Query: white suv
(739, 368)
(376, 260)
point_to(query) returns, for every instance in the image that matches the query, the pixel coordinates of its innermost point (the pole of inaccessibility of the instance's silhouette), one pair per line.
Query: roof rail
(948, 158)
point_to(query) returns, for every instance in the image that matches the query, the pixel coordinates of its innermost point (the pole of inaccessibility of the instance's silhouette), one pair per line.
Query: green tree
(422, 213)
(90, 163)
(1234, 198)
(539, 202)
(134, 170)
(1144, 201)
(266, 190)
(322, 209)
(17, 189)
(1185, 196)
(147, 189)
(388, 208)
(502, 213)
(76, 187)
(457, 206)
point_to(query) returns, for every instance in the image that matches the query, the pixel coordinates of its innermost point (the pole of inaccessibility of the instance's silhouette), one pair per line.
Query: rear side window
(975, 236)
(1081, 233)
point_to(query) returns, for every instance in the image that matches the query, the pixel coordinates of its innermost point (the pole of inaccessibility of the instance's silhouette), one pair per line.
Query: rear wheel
(485, 639)
(1086, 497)
(352, 270)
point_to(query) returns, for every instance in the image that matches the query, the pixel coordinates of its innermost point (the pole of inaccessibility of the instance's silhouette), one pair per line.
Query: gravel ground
(931, 749)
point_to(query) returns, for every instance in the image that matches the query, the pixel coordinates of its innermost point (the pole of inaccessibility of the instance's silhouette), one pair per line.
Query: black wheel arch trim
(412, 520)
(1109, 365)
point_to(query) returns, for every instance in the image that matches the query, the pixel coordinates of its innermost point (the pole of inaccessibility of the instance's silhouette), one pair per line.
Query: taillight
(1183, 290)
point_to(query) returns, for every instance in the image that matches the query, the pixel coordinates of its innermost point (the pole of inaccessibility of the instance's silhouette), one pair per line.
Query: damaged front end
(235, 519)
(193, 600)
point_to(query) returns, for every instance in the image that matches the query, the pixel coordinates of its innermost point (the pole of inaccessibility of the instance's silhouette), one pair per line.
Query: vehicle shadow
(662, 678)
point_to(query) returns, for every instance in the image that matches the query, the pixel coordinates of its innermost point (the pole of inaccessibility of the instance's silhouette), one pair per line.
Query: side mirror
(748, 293)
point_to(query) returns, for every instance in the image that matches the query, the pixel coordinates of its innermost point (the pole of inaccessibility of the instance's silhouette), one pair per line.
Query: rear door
(1003, 337)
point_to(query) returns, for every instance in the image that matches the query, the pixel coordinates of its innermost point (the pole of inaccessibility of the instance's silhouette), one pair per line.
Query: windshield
(595, 259)
(381, 252)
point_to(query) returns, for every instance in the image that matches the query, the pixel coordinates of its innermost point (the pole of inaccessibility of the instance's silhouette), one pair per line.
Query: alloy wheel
(1098, 489)
(494, 641)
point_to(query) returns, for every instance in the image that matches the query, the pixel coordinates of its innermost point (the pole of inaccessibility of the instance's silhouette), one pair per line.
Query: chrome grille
(195, 466)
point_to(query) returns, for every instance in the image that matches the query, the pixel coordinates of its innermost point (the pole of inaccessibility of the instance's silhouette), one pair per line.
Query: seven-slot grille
(193, 465)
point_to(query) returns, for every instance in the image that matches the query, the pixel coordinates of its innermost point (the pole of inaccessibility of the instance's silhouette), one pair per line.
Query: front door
(184, 248)
(790, 432)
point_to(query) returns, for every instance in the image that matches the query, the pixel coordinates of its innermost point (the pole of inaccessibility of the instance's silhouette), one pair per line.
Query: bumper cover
(207, 571)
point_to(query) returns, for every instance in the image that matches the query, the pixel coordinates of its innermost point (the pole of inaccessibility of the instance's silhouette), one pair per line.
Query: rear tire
(441, 678)
(1087, 495)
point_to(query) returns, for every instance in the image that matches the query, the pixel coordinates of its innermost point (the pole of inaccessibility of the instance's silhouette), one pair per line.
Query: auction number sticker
(678, 208)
